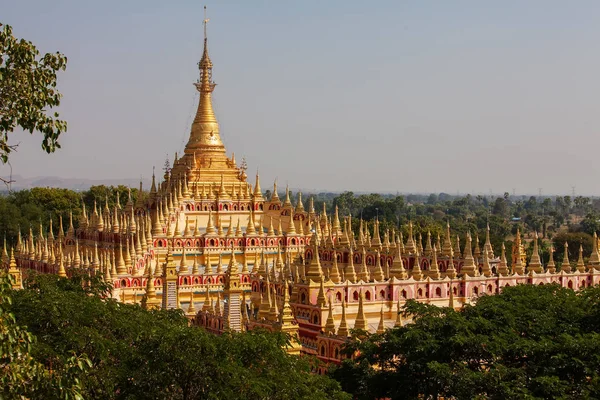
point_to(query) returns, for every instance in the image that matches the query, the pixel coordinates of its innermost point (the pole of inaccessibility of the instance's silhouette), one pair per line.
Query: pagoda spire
(204, 136)
(343, 328)
(535, 263)
(361, 319)
(551, 265)
(566, 264)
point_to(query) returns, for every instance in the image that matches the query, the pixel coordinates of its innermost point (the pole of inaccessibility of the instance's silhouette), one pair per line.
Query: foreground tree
(139, 354)
(529, 342)
(21, 376)
(27, 91)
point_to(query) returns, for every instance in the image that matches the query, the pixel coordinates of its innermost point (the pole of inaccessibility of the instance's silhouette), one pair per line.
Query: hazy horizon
(405, 97)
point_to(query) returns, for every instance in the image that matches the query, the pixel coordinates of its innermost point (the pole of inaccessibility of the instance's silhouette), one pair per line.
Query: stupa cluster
(207, 241)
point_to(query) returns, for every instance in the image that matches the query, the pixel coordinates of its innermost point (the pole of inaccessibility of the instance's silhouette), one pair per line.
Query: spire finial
(205, 22)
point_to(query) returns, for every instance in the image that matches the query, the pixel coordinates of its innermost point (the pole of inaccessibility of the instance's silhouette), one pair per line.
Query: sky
(462, 96)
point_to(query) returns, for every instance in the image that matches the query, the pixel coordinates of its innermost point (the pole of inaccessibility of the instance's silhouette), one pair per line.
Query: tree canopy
(529, 342)
(21, 375)
(27, 91)
(139, 354)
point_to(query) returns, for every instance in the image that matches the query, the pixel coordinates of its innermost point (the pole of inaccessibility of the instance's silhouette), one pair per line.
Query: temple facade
(207, 241)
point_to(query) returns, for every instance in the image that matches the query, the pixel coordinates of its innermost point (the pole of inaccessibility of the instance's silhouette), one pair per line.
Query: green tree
(21, 376)
(533, 342)
(139, 354)
(27, 91)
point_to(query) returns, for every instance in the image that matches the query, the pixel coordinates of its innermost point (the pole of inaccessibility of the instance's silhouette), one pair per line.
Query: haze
(408, 96)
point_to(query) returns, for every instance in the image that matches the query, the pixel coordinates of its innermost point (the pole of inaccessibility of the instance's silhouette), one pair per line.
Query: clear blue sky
(368, 96)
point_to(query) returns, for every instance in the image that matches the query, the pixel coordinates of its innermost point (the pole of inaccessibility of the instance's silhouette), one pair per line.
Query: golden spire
(517, 249)
(335, 272)
(208, 268)
(207, 300)
(274, 196)
(428, 248)
(186, 230)
(410, 242)
(258, 196)
(457, 248)
(487, 247)
(378, 270)
(343, 328)
(518, 266)
(286, 317)
(292, 225)
(14, 271)
(61, 266)
(210, 228)
(503, 266)
(447, 246)
(551, 265)
(321, 294)
(580, 263)
(191, 309)
(361, 319)
(330, 324)
(469, 267)
(230, 228)
(595, 256)
(337, 228)
(363, 274)
(477, 252)
(77, 259)
(416, 269)
(535, 264)
(196, 228)
(398, 271)
(434, 270)
(205, 139)
(287, 203)
(350, 270)
(245, 269)
(183, 267)
(566, 264)
(271, 232)
(251, 228)
(299, 205)
(222, 195)
(486, 269)
(121, 270)
(220, 230)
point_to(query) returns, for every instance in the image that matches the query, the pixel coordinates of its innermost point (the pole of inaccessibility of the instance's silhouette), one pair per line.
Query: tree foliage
(27, 91)
(529, 342)
(138, 354)
(21, 375)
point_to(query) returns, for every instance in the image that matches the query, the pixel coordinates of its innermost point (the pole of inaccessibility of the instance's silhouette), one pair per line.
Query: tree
(27, 90)
(139, 354)
(21, 376)
(529, 342)
(591, 223)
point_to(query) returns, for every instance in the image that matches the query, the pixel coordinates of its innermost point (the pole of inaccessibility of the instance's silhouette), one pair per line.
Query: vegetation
(529, 342)
(27, 90)
(21, 375)
(138, 354)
